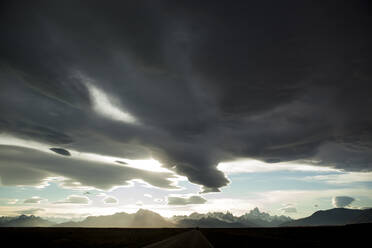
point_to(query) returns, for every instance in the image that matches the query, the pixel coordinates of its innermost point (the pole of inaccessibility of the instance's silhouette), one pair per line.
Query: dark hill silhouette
(24, 221)
(365, 217)
(335, 216)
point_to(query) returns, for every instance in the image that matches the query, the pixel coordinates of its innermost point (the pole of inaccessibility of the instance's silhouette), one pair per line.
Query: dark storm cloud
(207, 81)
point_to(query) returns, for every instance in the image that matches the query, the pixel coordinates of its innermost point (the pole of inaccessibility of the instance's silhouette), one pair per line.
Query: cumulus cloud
(195, 199)
(110, 200)
(34, 200)
(342, 201)
(75, 199)
(202, 91)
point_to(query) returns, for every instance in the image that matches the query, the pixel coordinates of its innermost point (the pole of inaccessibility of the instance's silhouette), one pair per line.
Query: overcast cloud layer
(189, 83)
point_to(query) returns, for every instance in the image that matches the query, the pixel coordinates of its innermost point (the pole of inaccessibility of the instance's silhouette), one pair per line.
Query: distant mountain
(208, 222)
(263, 219)
(24, 221)
(254, 218)
(142, 218)
(147, 218)
(335, 216)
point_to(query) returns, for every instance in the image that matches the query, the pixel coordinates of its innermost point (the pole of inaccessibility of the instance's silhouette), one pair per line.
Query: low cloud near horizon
(186, 200)
(33, 200)
(342, 201)
(30, 211)
(289, 209)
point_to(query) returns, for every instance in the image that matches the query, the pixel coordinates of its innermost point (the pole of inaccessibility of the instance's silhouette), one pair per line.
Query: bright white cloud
(105, 105)
(342, 178)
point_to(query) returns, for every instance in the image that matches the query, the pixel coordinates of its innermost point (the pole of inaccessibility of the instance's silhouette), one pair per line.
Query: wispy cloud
(105, 105)
(342, 178)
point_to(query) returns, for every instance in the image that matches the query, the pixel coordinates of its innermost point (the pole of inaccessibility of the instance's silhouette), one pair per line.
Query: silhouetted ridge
(254, 218)
(365, 217)
(335, 216)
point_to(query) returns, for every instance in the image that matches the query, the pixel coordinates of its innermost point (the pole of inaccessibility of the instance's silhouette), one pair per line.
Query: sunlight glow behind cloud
(142, 164)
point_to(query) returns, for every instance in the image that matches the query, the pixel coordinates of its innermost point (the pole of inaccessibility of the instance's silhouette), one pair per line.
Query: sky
(184, 106)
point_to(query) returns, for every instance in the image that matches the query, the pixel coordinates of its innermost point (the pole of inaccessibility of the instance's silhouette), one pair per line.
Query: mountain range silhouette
(145, 218)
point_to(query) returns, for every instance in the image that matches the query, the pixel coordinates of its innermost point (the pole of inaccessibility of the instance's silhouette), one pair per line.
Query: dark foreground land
(341, 236)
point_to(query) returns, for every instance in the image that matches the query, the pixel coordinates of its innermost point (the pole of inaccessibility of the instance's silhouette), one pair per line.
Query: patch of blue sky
(52, 192)
(277, 180)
